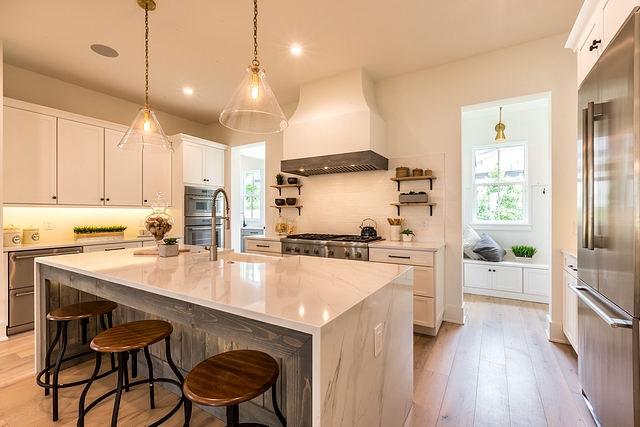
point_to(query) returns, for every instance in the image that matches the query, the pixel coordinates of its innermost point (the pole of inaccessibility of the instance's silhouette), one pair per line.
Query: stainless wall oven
(197, 217)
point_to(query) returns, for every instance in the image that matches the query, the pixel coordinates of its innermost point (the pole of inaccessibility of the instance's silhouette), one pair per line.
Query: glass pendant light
(145, 130)
(500, 127)
(253, 108)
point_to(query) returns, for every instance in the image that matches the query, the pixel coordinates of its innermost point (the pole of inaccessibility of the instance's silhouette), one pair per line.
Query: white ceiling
(207, 44)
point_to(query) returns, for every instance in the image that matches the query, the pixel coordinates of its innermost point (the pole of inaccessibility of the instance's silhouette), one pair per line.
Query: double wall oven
(197, 217)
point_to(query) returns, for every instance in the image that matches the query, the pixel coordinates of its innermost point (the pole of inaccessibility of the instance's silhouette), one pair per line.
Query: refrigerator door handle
(588, 219)
(610, 313)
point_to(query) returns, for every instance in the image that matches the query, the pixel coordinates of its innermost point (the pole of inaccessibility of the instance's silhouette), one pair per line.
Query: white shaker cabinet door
(193, 163)
(122, 172)
(29, 163)
(156, 176)
(80, 163)
(214, 166)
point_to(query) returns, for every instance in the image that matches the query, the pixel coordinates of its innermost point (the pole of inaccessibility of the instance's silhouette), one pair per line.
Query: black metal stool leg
(152, 402)
(56, 369)
(232, 416)
(116, 404)
(83, 328)
(281, 417)
(126, 371)
(83, 396)
(110, 323)
(47, 359)
(187, 412)
(134, 363)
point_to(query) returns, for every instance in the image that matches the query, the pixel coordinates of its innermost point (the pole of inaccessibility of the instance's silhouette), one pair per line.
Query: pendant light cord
(255, 63)
(146, 57)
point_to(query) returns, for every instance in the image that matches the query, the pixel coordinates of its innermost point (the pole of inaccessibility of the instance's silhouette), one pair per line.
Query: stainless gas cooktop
(341, 246)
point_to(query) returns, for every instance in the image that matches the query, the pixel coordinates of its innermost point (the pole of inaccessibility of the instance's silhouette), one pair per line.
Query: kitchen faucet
(213, 249)
(244, 221)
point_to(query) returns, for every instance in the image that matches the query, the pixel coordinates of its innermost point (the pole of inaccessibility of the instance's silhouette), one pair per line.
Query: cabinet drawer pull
(398, 256)
(113, 249)
(263, 246)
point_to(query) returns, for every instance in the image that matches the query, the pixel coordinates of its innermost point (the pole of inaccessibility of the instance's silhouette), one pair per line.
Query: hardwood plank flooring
(498, 369)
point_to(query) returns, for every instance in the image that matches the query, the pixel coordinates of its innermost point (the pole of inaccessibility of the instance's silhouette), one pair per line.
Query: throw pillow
(469, 241)
(489, 249)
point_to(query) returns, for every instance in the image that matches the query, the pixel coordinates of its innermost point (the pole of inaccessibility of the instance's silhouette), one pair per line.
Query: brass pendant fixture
(145, 130)
(500, 127)
(253, 108)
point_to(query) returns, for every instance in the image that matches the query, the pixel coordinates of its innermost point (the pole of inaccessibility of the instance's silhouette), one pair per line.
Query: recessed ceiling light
(296, 50)
(103, 50)
(188, 91)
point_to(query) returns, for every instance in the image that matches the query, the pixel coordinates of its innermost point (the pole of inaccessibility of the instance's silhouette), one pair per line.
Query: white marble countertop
(300, 293)
(416, 246)
(71, 243)
(571, 252)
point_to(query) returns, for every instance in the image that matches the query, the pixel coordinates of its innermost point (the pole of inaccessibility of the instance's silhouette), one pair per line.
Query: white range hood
(336, 128)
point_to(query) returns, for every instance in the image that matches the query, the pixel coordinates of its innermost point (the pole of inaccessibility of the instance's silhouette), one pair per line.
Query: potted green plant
(279, 179)
(407, 235)
(169, 247)
(523, 253)
(109, 232)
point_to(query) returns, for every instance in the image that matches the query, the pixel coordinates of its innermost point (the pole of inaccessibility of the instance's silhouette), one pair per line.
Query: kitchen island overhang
(318, 315)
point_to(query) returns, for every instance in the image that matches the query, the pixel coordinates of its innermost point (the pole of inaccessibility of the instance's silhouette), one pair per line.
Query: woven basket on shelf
(402, 172)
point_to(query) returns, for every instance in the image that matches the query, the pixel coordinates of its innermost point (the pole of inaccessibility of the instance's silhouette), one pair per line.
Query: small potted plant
(169, 247)
(523, 253)
(279, 179)
(407, 235)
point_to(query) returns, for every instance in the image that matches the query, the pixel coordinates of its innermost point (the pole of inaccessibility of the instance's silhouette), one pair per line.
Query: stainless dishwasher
(21, 282)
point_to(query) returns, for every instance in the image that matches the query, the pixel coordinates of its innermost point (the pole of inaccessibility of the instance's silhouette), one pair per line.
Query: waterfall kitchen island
(341, 331)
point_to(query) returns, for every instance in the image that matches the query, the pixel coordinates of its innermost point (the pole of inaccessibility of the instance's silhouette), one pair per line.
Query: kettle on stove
(368, 231)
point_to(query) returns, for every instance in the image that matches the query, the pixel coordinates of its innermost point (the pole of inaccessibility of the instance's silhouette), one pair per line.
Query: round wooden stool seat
(131, 336)
(62, 316)
(126, 340)
(231, 378)
(82, 310)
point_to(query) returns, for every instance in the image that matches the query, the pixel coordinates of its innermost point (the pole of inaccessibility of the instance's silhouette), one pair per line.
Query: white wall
(422, 111)
(3, 264)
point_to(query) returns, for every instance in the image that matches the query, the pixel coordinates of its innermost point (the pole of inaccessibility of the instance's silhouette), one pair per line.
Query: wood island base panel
(316, 317)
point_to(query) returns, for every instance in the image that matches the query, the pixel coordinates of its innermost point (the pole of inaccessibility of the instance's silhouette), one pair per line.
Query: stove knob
(297, 249)
(287, 249)
(306, 250)
(315, 251)
(346, 254)
(358, 255)
(330, 252)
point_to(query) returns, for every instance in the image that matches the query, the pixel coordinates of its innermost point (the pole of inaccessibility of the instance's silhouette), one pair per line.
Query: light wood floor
(498, 369)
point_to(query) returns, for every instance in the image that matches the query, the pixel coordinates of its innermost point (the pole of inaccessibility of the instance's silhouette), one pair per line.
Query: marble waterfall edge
(360, 389)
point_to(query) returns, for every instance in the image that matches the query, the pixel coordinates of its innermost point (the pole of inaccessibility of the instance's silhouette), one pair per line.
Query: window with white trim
(499, 184)
(251, 194)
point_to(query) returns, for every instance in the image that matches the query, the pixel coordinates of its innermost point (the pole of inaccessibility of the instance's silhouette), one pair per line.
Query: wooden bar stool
(123, 340)
(62, 316)
(230, 378)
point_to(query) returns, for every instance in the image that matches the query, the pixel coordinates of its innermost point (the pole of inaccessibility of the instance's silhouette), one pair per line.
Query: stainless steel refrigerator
(609, 231)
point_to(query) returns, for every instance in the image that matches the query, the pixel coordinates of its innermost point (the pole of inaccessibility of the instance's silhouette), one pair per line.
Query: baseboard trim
(555, 332)
(505, 294)
(3, 331)
(454, 314)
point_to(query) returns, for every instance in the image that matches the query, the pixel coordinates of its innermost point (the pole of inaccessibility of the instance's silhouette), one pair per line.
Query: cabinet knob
(108, 199)
(145, 200)
(54, 197)
(102, 199)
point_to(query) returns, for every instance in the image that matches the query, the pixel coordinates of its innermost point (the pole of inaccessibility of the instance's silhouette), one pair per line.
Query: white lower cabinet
(264, 247)
(513, 280)
(570, 313)
(428, 283)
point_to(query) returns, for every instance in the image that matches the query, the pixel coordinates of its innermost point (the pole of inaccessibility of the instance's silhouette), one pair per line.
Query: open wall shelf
(415, 178)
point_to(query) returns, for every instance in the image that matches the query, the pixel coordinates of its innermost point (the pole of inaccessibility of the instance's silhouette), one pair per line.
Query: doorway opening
(248, 195)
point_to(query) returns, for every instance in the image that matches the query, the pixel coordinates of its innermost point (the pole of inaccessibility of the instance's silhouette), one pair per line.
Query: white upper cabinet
(29, 164)
(80, 163)
(201, 161)
(156, 176)
(122, 172)
(597, 24)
